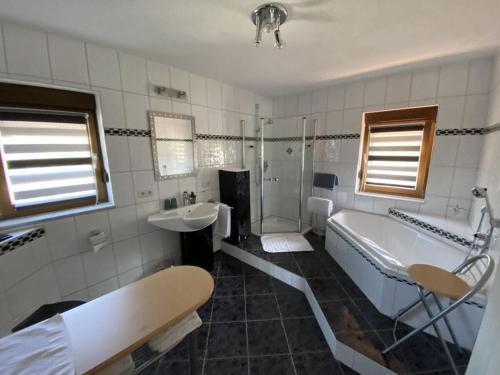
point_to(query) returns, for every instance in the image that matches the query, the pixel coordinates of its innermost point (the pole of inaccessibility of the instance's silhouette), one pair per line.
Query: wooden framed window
(51, 154)
(395, 151)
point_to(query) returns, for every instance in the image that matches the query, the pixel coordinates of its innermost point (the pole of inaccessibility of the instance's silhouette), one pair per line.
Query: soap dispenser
(192, 198)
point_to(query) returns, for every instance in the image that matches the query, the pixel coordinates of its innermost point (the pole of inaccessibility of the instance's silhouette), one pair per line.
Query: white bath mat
(285, 242)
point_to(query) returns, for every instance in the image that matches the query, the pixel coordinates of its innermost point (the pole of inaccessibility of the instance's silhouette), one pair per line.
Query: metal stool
(436, 281)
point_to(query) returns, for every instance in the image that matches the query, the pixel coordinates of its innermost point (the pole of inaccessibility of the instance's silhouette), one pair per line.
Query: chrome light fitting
(269, 17)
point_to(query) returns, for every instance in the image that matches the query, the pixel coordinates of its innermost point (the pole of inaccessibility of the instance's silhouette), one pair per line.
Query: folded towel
(320, 206)
(174, 335)
(36, 349)
(223, 223)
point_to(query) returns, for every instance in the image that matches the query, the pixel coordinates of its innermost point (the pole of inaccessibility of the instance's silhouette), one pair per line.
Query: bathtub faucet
(482, 241)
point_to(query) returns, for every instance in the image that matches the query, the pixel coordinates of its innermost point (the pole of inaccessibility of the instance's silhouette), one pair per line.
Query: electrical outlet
(144, 193)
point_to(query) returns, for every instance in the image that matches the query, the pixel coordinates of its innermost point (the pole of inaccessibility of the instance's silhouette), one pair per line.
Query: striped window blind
(46, 157)
(393, 155)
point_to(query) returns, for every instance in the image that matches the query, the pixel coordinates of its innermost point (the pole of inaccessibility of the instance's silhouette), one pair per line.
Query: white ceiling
(327, 40)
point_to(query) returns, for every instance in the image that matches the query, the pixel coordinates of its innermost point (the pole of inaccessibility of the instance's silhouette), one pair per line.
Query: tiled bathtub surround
(59, 265)
(461, 89)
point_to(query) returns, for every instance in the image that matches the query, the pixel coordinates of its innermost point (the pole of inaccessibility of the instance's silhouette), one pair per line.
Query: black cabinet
(197, 248)
(234, 185)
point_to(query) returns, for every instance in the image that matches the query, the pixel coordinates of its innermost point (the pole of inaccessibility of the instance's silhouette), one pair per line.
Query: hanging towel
(320, 206)
(174, 335)
(223, 223)
(39, 349)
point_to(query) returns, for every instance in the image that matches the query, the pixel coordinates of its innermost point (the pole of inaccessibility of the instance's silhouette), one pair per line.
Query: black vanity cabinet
(234, 186)
(197, 248)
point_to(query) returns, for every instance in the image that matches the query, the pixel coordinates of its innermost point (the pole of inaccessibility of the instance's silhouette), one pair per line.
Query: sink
(186, 219)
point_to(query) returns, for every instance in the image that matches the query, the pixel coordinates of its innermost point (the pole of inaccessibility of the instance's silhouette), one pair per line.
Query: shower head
(479, 192)
(482, 192)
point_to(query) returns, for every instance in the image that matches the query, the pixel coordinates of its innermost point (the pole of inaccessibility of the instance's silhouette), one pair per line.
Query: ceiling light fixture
(269, 17)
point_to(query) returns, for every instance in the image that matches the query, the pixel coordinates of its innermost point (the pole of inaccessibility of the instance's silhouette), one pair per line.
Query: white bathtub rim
(398, 273)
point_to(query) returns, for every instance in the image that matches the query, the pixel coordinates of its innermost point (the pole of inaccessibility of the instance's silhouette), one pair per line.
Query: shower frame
(263, 122)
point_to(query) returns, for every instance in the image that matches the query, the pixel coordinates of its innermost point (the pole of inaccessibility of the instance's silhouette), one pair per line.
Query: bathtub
(375, 250)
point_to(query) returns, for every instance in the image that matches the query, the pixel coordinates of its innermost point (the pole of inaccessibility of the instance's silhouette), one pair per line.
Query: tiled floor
(353, 318)
(254, 325)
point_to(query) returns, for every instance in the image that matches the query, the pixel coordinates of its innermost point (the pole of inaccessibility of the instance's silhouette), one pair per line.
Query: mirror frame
(151, 117)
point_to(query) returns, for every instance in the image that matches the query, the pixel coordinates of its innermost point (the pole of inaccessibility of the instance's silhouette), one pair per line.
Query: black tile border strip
(211, 137)
(16, 242)
(431, 228)
(404, 281)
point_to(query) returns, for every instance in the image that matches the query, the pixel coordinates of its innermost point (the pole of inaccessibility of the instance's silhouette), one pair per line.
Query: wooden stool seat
(438, 280)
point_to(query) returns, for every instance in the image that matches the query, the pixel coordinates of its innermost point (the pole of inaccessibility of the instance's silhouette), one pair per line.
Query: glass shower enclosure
(284, 164)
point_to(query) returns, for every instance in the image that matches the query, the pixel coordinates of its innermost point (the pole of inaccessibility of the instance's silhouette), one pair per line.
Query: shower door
(282, 165)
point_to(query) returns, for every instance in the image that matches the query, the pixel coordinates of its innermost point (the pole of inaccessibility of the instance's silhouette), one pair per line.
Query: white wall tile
(463, 181)
(354, 94)
(130, 276)
(439, 181)
(214, 94)
(228, 97)
(41, 252)
(144, 210)
(136, 107)
(62, 237)
(123, 189)
(103, 67)
(141, 156)
(215, 125)
(476, 111)
(158, 75)
(198, 90)
(453, 79)
(123, 223)
(334, 122)
(444, 151)
(144, 180)
(182, 108)
(70, 275)
(352, 121)
(160, 104)
(103, 288)
(133, 73)
(26, 51)
(180, 80)
(151, 246)
(336, 96)
(113, 113)
(87, 223)
(168, 189)
(469, 151)
(319, 100)
(118, 154)
(424, 84)
(67, 59)
(305, 103)
(279, 107)
(291, 107)
(127, 254)
(16, 265)
(375, 91)
(450, 112)
(99, 266)
(480, 76)
(398, 88)
(200, 118)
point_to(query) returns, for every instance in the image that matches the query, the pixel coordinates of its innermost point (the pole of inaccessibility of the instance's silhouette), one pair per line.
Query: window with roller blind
(395, 152)
(52, 154)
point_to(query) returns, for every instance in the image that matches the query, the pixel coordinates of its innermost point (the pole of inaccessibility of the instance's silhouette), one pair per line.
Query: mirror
(173, 144)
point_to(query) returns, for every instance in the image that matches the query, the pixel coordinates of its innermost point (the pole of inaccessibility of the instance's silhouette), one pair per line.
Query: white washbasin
(186, 219)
